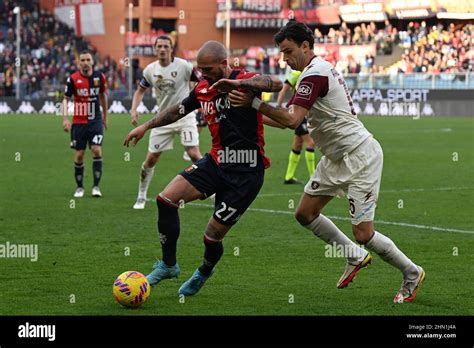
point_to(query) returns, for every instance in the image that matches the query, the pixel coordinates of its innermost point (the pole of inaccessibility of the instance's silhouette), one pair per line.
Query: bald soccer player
(233, 170)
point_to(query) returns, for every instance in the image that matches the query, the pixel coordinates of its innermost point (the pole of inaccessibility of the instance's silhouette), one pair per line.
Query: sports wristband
(256, 103)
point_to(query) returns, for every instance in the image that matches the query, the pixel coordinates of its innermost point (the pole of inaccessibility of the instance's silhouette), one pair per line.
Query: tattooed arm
(261, 83)
(167, 116)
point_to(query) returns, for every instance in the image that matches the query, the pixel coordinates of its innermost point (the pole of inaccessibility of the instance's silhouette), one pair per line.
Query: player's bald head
(212, 51)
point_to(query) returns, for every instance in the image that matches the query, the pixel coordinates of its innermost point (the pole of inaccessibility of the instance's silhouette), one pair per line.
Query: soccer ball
(131, 289)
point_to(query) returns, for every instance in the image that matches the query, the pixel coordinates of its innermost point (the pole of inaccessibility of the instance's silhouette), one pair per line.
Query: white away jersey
(171, 83)
(332, 120)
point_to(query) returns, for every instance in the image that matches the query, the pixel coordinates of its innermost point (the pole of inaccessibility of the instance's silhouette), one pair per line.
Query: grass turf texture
(82, 250)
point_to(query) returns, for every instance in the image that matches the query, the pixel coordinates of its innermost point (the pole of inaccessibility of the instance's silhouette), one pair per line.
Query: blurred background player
(235, 183)
(301, 136)
(88, 89)
(170, 77)
(200, 123)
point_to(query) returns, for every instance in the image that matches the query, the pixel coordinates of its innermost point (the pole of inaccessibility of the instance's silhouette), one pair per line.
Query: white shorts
(356, 175)
(162, 138)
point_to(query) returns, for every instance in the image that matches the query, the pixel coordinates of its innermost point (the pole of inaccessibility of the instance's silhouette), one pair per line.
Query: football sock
(168, 229)
(97, 170)
(213, 250)
(293, 160)
(146, 174)
(309, 155)
(325, 229)
(388, 251)
(79, 173)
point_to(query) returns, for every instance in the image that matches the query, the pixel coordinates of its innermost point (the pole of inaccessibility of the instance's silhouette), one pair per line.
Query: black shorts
(234, 190)
(302, 129)
(83, 134)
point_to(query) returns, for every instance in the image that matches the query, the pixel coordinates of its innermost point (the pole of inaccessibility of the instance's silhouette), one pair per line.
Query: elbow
(277, 85)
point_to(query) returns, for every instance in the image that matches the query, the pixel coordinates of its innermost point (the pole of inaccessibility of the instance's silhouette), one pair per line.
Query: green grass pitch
(271, 265)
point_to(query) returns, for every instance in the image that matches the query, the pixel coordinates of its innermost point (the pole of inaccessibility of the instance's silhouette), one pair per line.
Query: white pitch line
(403, 224)
(382, 191)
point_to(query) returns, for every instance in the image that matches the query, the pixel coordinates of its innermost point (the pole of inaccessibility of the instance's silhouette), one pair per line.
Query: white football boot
(96, 192)
(352, 269)
(407, 292)
(140, 203)
(79, 192)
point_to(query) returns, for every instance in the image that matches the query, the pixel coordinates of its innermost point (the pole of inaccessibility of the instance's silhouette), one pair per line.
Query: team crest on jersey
(304, 90)
(191, 168)
(174, 73)
(96, 81)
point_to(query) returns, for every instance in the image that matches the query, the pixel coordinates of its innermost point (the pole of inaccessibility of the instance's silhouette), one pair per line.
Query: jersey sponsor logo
(314, 185)
(212, 107)
(86, 92)
(166, 86)
(304, 90)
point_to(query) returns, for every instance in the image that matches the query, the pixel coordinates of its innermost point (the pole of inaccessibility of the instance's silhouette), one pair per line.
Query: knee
(80, 156)
(96, 152)
(165, 204)
(363, 232)
(305, 217)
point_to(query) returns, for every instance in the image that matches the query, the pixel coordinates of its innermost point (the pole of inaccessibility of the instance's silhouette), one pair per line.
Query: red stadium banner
(266, 6)
(327, 15)
(86, 17)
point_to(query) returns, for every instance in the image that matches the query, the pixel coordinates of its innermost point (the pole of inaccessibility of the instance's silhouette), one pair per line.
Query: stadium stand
(49, 49)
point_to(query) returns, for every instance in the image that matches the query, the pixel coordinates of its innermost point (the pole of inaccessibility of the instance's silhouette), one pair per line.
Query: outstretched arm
(261, 83)
(275, 116)
(290, 118)
(167, 116)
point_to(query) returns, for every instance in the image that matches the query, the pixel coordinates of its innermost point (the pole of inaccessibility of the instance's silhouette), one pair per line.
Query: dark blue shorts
(235, 190)
(83, 134)
(302, 129)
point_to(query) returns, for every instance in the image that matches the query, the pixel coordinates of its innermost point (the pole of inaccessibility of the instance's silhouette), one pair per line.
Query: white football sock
(146, 174)
(388, 251)
(325, 229)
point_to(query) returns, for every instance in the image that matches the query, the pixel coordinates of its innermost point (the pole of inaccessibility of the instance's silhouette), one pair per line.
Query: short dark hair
(164, 37)
(296, 32)
(87, 51)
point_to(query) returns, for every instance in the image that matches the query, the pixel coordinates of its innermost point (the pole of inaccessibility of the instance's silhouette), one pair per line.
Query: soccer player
(88, 90)
(352, 161)
(301, 136)
(170, 77)
(233, 170)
